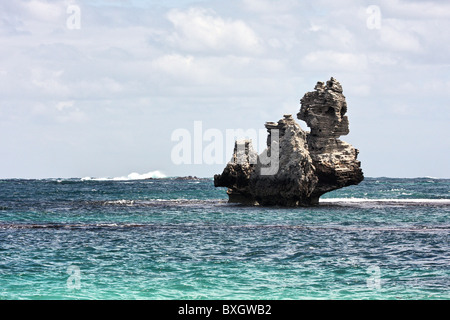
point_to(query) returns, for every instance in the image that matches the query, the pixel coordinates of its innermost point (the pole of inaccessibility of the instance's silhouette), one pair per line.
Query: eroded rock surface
(297, 167)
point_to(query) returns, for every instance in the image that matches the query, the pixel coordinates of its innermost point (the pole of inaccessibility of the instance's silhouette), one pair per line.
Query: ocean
(179, 239)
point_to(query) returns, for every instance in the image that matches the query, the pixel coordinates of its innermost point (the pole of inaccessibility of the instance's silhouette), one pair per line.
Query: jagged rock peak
(324, 110)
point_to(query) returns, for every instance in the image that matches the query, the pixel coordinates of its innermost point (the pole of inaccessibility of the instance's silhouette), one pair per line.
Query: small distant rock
(187, 178)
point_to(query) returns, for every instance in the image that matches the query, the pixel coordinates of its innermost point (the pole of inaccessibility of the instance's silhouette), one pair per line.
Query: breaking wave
(132, 176)
(388, 202)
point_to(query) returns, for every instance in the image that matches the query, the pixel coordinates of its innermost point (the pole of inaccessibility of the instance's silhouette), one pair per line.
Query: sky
(101, 88)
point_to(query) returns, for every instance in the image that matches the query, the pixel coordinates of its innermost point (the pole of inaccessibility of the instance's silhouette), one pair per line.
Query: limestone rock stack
(297, 167)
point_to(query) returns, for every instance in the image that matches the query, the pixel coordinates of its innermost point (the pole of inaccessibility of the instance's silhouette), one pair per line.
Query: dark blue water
(176, 239)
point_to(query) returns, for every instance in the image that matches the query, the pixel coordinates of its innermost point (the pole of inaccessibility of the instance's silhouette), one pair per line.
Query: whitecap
(120, 202)
(132, 176)
(356, 201)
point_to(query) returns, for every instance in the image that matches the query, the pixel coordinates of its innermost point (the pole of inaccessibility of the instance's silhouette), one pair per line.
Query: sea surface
(179, 239)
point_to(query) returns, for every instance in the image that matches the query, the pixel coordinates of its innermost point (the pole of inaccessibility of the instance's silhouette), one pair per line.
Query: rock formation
(297, 167)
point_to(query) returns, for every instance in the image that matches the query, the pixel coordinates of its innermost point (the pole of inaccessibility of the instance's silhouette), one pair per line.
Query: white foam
(393, 201)
(132, 176)
(121, 202)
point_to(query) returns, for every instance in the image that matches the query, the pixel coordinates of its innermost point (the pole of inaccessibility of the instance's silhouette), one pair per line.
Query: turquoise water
(176, 239)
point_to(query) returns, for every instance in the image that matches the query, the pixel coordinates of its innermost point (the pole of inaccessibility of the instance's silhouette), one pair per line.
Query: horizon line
(186, 176)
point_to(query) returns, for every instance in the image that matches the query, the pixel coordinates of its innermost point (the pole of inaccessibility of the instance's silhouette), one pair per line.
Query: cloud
(48, 81)
(267, 6)
(137, 72)
(44, 10)
(200, 29)
(60, 106)
(420, 10)
(57, 112)
(335, 61)
(174, 64)
(395, 35)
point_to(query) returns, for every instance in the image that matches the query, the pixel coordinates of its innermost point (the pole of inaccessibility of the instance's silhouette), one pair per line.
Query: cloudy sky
(97, 88)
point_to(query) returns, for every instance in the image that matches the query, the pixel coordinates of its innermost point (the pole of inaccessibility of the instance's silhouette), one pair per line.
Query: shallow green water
(174, 239)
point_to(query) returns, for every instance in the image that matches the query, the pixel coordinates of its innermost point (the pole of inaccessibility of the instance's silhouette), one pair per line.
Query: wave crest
(384, 202)
(132, 176)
